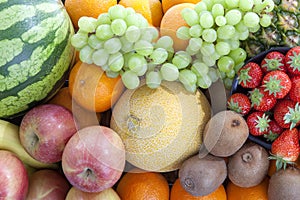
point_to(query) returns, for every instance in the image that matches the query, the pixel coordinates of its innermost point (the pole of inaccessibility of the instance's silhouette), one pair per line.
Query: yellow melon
(160, 127)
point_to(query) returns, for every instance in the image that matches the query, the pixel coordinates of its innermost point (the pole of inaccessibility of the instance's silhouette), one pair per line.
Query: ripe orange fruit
(92, 89)
(150, 9)
(90, 8)
(179, 193)
(143, 185)
(171, 21)
(258, 192)
(166, 4)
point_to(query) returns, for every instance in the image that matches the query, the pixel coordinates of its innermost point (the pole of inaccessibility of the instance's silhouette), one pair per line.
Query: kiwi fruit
(285, 184)
(225, 133)
(201, 176)
(248, 166)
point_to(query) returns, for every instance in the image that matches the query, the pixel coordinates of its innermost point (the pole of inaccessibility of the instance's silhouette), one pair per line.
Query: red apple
(45, 130)
(48, 184)
(13, 175)
(76, 194)
(94, 159)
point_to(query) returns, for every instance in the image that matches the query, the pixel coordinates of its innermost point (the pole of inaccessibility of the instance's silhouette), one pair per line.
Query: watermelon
(35, 53)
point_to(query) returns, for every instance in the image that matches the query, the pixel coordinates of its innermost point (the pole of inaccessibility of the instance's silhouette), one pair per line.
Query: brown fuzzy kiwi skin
(285, 184)
(202, 176)
(225, 133)
(248, 166)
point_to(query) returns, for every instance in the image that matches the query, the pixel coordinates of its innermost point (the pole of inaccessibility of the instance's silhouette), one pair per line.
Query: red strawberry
(258, 123)
(261, 100)
(285, 149)
(292, 60)
(239, 103)
(294, 93)
(287, 113)
(250, 75)
(277, 83)
(274, 131)
(273, 61)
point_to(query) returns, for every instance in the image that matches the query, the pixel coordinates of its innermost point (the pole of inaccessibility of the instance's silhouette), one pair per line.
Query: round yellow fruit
(160, 127)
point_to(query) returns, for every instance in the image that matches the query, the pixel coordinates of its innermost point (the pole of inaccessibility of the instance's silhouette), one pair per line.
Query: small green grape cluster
(215, 29)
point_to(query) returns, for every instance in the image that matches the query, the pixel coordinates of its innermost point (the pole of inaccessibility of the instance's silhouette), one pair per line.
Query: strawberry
(273, 61)
(287, 113)
(274, 131)
(258, 123)
(239, 103)
(250, 75)
(294, 93)
(277, 83)
(285, 149)
(261, 100)
(292, 60)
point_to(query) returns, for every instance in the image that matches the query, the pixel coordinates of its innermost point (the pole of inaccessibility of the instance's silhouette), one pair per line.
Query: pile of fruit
(115, 99)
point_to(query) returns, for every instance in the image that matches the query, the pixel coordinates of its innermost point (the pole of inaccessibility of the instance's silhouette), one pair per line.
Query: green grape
(94, 42)
(136, 62)
(222, 2)
(222, 48)
(195, 44)
(195, 31)
(232, 3)
(206, 19)
(265, 20)
(233, 16)
(85, 54)
(169, 72)
(213, 74)
(234, 44)
(187, 77)
(226, 32)
(170, 53)
(104, 67)
(132, 34)
(209, 35)
(238, 55)
(251, 19)
(149, 34)
(116, 62)
(117, 12)
(228, 83)
(130, 79)
(207, 49)
(231, 73)
(118, 27)
(129, 10)
(126, 45)
(100, 57)
(143, 23)
(215, 56)
(220, 20)
(199, 68)
(159, 56)
(222, 75)
(209, 60)
(154, 32)
(209, 4)
(243, 35)
(164, 42)
(191, 88)
(79, 40)
(104, 32)
(241, 27)
(183, 33)
(254, 29)
(112, 45)
(151, 67)
(111, 74)
(132, 20)
(200, 6)
(268, 5)
(87, 24)
(246, 5)
(190, 16)
(204, 82)
(191, 51)
(143, 47)
(225, 64)
(217, 10)
(153, 79)
(181, 59)
(103, 18)
(126, 56)
(238, 66)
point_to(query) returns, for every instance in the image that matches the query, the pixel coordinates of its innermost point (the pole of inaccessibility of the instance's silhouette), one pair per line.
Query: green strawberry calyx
(281, 162)
(234, 106)
(244, 76)
(262, 123)
(293, 116)
(256, 97)
(294, 61)
(273, 64)
(273, 85)
(270, 137)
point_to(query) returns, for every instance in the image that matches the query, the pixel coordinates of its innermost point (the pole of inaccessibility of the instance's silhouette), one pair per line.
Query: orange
(92, 89)
(83, 116)
(179, 193)
(166, 4)
(143, 185)
(90, 8)
(150, 9)
(258, 192)
(171, 21)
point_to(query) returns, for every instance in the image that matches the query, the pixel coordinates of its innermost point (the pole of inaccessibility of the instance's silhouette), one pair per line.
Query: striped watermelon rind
(35, 53)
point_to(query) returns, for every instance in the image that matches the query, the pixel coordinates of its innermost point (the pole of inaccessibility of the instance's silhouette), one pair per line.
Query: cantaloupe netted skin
(162, 127)
(35, 52)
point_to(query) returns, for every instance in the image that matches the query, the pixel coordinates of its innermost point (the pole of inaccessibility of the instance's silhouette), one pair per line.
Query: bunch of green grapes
(215, 29)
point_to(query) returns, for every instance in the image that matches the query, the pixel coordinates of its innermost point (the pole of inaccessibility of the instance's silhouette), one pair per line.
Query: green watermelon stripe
(8, 3)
